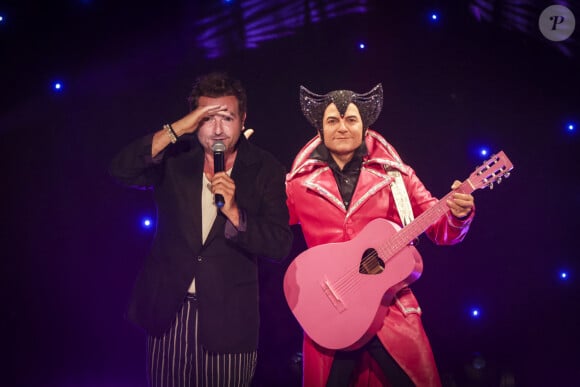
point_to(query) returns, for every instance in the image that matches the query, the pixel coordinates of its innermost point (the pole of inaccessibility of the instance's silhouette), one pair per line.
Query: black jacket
(226, 272)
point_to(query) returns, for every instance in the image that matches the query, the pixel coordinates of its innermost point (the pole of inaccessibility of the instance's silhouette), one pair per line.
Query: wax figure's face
(225, 125)
(342, 135)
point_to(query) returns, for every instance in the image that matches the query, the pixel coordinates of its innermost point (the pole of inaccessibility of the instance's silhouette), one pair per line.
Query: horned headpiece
(369, 104)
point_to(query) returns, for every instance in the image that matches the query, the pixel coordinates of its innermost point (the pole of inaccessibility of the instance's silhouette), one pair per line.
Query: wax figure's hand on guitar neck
(461, 204)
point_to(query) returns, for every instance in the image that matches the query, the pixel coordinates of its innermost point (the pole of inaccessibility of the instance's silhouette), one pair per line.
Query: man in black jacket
(197, 294)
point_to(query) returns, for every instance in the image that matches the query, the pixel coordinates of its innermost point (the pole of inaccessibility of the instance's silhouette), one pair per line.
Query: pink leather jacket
(315, 203)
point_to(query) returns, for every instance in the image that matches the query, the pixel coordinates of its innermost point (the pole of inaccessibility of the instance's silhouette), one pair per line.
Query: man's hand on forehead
(225, 114)
(221, 111)
(214, 109)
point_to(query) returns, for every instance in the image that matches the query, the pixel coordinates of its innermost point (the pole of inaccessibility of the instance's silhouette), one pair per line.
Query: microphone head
(218, 146)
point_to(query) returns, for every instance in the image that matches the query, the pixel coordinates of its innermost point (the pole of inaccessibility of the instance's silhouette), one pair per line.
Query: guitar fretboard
(411, 231)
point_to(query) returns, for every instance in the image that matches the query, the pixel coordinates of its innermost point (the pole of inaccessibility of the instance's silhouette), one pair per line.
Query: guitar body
(336, 304)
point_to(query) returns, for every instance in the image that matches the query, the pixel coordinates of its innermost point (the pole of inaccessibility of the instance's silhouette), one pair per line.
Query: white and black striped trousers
(178, 360)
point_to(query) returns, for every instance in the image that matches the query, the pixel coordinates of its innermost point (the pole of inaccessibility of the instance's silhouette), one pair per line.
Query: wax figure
(340, 181)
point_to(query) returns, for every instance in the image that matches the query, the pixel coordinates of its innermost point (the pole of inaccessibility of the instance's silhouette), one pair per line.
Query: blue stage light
(483, 152)
(362, 46)
(475, 313)
(571, 127)
(57, 86)
(147, 223)
(434, 17)
(563, 275)
(1, 19)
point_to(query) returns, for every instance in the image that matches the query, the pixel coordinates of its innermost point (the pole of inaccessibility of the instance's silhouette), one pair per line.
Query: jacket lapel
(322, 181)
(369, 182)
(189, 170)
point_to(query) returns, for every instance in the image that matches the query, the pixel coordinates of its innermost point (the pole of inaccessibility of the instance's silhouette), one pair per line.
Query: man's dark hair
(218, 84)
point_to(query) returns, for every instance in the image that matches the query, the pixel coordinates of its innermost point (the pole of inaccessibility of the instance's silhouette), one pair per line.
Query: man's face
(225, 125)
(342, 135)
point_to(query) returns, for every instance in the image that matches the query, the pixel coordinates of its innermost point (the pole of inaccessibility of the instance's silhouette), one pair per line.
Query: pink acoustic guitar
(339, 292)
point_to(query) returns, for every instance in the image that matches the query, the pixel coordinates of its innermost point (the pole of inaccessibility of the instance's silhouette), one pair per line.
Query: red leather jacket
(315, 203)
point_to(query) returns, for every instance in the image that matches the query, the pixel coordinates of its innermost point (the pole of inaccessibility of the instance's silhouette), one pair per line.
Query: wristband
(170, 133)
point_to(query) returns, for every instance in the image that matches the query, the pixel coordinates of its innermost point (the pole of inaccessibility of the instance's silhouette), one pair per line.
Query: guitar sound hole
(371, 263)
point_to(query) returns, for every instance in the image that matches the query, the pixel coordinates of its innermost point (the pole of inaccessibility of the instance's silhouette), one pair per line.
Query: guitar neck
(411, 231)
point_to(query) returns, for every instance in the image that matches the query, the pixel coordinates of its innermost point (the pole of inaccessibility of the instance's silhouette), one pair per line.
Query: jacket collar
(379, 153)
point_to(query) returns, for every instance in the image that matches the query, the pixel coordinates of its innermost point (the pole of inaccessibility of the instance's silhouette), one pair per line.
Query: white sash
(401, 197)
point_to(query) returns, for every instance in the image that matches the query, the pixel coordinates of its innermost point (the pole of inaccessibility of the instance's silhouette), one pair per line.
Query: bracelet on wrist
(170, 133)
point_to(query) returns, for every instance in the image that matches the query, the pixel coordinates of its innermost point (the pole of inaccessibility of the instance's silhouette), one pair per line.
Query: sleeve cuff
(459, 222)
(231, 232)
(146, 145)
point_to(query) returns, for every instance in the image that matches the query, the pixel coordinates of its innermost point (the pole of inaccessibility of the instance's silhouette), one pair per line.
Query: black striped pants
(178, 360)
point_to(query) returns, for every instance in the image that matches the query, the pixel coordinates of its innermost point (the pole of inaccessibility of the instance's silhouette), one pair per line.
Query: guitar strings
(348, 283)
(351, 278)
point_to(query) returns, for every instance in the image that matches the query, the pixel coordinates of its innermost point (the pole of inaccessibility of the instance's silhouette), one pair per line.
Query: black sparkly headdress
(369, 104)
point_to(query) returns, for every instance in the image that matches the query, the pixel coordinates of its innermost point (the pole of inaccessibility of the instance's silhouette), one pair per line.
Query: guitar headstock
(493, 170)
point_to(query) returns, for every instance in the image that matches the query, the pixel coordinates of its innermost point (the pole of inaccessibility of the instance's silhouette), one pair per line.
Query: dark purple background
(71, 241)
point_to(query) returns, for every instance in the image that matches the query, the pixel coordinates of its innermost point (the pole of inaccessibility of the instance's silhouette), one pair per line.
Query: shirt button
(199, 258)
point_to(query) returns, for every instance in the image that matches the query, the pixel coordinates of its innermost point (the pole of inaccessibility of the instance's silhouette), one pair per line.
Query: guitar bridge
(332, 296)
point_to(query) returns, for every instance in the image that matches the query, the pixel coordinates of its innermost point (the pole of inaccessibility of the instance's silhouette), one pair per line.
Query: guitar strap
(401, 197)
(406, 214)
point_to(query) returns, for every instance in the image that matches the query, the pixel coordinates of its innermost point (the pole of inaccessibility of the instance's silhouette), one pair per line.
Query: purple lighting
(57, 86)
(253, 22)
(475, 313)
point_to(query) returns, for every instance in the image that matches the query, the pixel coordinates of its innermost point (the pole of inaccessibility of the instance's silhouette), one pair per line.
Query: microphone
(218, 166)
